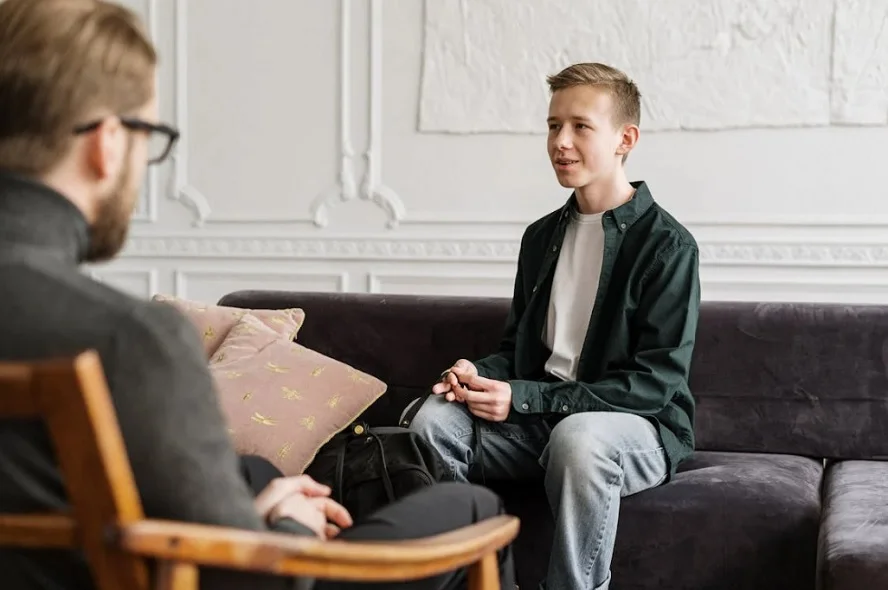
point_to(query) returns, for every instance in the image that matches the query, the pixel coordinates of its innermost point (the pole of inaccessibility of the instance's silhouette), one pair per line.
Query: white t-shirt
(573, 293)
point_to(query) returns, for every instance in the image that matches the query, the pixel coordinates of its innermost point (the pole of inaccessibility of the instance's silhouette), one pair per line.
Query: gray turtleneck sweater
(184, 465)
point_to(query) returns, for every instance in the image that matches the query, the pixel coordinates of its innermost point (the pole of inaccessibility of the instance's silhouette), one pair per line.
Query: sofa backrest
(808, 379)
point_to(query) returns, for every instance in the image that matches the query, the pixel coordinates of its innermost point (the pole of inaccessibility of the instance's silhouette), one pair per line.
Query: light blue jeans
(588, 461)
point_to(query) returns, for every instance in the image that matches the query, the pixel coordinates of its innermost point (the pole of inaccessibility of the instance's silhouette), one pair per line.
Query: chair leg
(176, 575)
(484, 574)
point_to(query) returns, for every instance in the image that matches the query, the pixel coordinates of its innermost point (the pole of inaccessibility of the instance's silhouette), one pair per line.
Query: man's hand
(461, 371)
(304, 500)
(322, 515)
(487, 398)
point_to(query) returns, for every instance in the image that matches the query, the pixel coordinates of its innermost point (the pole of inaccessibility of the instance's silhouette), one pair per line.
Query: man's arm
(501, 364)
(175, 434)
(666, 323)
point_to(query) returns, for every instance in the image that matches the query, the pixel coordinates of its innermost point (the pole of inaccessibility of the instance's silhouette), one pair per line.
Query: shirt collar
(627, 213)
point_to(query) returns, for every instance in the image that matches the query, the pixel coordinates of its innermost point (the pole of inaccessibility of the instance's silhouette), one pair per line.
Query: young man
(590, 386)
(78, 124)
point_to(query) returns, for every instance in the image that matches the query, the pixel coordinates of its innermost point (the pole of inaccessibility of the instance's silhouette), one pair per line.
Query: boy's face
(584, 145)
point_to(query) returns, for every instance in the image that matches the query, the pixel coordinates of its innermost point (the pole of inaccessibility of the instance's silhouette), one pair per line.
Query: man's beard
(109, 231)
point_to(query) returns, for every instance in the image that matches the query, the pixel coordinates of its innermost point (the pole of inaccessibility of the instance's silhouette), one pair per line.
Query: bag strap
(412, 409)
(361, 429)
(386, 480)
(340, 470)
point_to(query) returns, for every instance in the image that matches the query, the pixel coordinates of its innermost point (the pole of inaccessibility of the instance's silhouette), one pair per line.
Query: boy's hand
(461, 371)
(487, 398)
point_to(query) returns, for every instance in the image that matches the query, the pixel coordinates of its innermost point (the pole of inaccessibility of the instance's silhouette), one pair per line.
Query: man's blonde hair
(625, 94)
(60, 61)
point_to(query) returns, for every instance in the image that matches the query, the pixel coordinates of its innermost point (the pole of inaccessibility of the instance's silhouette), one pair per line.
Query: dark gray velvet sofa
(788, 488)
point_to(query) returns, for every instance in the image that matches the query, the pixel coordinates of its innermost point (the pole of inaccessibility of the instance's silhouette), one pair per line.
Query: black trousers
(438, 509)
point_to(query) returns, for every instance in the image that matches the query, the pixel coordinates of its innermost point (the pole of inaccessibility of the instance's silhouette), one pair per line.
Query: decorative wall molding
(372, 188)
(465, 249)
(346, 189)
(376, 279)
(322, 248)
(180, 277)
(108, 275)
(183, 191)
(148, 208)
(794, 254)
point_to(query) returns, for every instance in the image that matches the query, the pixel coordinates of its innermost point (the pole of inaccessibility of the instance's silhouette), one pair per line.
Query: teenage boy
(589, 389)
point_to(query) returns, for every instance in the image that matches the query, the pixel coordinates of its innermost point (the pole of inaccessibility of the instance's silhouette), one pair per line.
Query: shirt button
(622, 226)
(554, 248)
(525, 407)
(563, 408)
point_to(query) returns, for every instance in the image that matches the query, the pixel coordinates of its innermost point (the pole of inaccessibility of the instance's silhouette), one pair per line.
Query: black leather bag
(368, 468)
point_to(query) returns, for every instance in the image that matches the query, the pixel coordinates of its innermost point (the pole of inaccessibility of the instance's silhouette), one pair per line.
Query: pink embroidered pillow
(282, 400)
(215, 321)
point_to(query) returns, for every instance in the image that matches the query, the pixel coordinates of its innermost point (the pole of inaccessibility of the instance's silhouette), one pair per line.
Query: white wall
(398, 146)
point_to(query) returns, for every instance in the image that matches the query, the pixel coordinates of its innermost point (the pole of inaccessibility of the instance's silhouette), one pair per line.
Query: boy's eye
(553, 126)
(582, 126)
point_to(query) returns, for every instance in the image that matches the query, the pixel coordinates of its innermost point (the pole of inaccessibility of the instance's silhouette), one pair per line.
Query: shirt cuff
(527, 397)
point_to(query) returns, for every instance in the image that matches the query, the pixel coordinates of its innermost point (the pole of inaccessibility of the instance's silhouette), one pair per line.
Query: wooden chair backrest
(71, 397)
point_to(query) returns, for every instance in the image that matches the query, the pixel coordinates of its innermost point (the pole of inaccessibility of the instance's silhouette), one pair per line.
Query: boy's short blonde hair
(626, 97)
(61, 60)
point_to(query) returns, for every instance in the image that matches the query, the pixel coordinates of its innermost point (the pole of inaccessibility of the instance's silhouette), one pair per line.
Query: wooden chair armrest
(289, 555)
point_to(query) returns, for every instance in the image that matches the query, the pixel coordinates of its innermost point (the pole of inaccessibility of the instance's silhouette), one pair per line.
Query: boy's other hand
(487, 398)
(461, 372)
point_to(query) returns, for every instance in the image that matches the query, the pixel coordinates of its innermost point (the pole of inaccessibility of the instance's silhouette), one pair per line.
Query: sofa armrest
(853, 544)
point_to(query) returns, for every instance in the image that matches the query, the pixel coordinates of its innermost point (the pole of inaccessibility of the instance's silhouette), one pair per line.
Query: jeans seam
(598, 541)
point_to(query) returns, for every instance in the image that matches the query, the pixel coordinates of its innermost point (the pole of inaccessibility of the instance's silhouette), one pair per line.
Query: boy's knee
(437, 416)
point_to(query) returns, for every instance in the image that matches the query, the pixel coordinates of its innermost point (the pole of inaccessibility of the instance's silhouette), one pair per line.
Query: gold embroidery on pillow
(317, 372)
(285, 450)
(334, 401)
(248, 395)
(356, 376)
(220, 356)
(233, 374)
(308, 422)
(257, 417)
(243, 329)
(290, 394)
(276, 368)
(209, 333)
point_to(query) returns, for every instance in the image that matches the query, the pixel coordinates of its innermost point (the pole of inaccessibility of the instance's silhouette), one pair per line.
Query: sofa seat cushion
(726, 520)
(854, 533)
(741, 520)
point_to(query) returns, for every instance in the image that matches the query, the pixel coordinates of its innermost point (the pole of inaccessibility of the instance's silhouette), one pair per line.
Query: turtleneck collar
(36, 216)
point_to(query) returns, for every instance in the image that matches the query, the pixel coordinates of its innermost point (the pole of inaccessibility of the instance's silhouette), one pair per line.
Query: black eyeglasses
(161, 138)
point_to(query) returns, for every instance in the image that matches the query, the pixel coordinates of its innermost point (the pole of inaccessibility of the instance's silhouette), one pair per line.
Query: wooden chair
(107, 524)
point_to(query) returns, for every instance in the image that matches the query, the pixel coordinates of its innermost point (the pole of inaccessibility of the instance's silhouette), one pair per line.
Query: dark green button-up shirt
(637, 352)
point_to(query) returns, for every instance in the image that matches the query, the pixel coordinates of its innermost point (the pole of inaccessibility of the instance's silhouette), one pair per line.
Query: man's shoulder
(90, 312)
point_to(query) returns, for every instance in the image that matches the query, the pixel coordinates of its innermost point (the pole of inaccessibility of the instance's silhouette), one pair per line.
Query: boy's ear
(629, 139)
